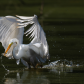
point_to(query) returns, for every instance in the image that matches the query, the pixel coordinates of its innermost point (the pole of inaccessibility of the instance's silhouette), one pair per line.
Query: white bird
(11, 37)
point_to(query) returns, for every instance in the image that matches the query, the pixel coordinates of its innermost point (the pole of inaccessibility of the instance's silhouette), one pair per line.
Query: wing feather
(37, 34)
(9, 30)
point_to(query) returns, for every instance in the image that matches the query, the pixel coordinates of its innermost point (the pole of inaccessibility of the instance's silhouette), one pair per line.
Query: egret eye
(16, 42)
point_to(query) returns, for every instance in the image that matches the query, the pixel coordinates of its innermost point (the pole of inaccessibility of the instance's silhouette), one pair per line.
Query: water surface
(59, 75)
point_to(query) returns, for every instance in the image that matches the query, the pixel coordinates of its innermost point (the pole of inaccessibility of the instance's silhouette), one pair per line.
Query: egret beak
(8, 48)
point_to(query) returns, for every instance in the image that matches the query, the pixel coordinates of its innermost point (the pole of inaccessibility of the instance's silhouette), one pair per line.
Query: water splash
(61, 63)
(51, 65)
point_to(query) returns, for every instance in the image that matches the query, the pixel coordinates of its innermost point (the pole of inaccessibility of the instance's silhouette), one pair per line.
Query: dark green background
(62, 21)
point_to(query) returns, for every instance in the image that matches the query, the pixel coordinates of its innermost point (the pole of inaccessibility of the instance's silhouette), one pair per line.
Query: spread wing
(9, 30)
(36, 32)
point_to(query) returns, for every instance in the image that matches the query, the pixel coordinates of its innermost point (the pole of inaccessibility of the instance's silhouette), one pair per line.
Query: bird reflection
(26, 77)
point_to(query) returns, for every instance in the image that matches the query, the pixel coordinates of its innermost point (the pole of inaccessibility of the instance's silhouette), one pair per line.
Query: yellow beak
(8, 48)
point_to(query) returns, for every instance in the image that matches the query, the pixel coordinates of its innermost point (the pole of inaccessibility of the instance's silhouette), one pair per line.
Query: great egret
(11, 37)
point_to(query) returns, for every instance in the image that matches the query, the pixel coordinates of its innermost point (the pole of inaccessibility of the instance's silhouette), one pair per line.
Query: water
(59, 75)
(63, 23)
(59, 71)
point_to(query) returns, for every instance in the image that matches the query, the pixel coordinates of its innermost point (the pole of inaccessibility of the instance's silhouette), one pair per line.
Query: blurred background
(62, 21)
(63, 24)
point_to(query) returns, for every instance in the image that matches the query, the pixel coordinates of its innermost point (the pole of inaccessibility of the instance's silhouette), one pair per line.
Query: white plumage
(9, 30)
(11, 33)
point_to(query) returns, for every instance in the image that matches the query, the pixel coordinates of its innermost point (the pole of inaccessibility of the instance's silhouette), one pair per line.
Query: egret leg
(41, 65)
(29, 65)
(32, 62)
(38, 65)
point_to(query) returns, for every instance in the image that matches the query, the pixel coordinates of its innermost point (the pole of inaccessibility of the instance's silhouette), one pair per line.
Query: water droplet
(54, 45)
(77, 65)
(7, 70)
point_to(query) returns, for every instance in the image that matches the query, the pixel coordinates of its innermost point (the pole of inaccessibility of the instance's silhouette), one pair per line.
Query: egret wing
(9, 30)
(37, 35)
(35, 32)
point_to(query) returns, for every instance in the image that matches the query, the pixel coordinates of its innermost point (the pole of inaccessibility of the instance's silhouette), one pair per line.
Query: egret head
(14, 42)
